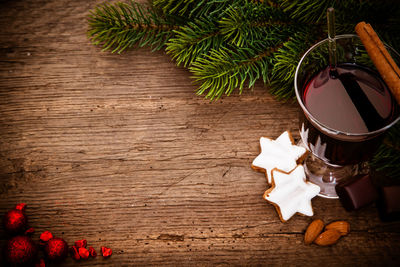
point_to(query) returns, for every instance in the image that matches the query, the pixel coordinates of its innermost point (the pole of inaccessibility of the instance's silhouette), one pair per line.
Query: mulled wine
(349, 99)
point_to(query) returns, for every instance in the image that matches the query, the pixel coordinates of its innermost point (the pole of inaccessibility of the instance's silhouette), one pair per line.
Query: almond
(313, 230)
(327, 238)
(342, 227)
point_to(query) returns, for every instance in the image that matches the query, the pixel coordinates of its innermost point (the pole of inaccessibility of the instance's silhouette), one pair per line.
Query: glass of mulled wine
(344, 110)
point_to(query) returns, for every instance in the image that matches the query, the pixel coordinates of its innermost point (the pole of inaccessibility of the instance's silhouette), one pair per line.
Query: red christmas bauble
(56, 249)
(15, 222)
(20, 251)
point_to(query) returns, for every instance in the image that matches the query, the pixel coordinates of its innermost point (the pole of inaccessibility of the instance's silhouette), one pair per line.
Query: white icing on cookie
(292, 193)
(279, 153)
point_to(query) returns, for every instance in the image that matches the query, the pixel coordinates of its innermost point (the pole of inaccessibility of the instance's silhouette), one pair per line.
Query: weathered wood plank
(119, 150)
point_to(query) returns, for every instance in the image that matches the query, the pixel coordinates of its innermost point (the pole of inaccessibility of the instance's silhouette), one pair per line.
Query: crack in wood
(223, 175)
(171, 237)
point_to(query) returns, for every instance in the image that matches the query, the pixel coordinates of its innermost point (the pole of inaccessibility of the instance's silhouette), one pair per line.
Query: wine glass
(340, 144)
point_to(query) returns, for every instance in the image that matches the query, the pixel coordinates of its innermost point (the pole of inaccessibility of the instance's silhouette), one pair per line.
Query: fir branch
(194, 39)
(222, 71)
(120, 26)
(387, 158)
(249, 22)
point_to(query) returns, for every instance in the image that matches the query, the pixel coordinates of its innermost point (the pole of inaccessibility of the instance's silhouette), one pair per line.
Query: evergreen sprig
(120, 26)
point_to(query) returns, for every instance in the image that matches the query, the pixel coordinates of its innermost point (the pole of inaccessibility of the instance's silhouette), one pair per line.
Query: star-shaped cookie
(280, 153)
(291, 193)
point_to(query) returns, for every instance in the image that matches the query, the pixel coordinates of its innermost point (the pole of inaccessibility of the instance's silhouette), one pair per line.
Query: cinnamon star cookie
(280, 153)
(291, 193)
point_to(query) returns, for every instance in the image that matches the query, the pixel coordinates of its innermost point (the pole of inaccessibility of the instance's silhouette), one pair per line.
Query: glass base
(326, 176)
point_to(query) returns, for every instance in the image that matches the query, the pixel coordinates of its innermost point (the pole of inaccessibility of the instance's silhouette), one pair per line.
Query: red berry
(81, 243)
(46, 236)
(21, 207)
(92, 252)
(106, 252)
(56, 249)
(84, 253)
(20, 250)
(15, 222)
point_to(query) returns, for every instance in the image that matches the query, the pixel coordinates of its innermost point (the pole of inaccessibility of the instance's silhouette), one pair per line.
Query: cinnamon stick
(381, 58)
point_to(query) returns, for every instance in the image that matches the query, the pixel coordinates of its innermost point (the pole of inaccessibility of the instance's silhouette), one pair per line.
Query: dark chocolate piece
(389, 203)
(356, 192)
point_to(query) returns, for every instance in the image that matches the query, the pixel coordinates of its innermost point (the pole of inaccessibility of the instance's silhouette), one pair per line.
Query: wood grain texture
(119, 150)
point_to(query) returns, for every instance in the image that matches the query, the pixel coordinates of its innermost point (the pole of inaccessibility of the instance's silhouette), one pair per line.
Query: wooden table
(118, 149)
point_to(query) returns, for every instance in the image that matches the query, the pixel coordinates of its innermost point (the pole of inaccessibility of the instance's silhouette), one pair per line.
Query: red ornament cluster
(21, 250)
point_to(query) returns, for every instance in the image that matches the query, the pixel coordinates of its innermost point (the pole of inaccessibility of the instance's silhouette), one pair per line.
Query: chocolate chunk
(356, 192)
(389, 203)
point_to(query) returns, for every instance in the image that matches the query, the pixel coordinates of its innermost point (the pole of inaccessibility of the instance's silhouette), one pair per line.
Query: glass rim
(311, 117)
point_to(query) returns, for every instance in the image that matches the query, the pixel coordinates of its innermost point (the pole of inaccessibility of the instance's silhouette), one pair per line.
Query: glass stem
(330, 14)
